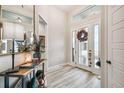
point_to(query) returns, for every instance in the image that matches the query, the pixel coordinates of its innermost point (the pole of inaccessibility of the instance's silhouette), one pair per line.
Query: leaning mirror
(16, 25)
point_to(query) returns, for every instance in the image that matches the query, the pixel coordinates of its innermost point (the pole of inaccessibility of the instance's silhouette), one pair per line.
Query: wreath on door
(82, 35)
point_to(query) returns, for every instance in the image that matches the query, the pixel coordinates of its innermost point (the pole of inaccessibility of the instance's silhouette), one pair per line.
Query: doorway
(86, 54)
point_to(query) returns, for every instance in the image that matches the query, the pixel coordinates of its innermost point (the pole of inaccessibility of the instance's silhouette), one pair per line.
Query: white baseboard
(56, 67)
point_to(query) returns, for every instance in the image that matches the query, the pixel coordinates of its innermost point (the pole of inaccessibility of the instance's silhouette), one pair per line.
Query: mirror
(42, 37)
(16, 24)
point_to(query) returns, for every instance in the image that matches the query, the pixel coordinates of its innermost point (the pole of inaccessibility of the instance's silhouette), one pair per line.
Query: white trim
(93, 70)
(109, 48)
(83, 23)
(53, 68)
(90, 24)
(104, 46)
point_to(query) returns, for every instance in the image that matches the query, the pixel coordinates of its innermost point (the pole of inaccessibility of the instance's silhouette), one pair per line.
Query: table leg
(23, 82)
(43, 69)
(43, 75)
(6, 82)
(30, 75)
(34, 73)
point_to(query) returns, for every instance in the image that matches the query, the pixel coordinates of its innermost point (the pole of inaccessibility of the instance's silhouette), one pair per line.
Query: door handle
(108, 61)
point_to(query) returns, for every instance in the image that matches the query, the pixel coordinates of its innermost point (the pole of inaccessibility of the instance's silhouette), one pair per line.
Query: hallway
(73, 46)
(71, 77)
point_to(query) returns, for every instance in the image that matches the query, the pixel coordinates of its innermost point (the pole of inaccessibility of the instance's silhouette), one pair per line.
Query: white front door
(116, 46)
(89, 51)
(86, 54)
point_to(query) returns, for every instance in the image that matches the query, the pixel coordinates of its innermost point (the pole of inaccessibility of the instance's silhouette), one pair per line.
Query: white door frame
(82, 24)
(104, 46)
(109, 50)
(105, 27)
(107, 30)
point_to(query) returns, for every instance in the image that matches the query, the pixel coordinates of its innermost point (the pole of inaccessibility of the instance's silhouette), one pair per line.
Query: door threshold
(91, 70)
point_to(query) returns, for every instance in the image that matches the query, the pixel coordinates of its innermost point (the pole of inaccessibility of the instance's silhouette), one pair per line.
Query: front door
(86, 54)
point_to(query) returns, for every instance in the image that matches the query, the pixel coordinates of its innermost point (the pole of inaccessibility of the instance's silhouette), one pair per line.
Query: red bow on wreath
(82, 36)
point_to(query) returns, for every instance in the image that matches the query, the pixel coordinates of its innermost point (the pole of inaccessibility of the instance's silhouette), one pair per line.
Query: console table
(22, 73)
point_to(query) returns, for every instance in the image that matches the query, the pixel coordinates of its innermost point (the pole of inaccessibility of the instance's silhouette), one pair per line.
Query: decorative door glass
(83, 52)
(96, 45)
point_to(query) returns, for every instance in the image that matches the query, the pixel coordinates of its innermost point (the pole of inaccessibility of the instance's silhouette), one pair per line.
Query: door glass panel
(73, 46)
(83, 52)
(96, 45)
(85, 13)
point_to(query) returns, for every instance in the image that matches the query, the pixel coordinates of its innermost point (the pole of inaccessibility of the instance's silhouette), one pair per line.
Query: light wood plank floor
(70, 77)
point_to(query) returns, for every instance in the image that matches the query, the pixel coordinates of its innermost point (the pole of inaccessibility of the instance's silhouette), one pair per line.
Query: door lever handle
(109, 62)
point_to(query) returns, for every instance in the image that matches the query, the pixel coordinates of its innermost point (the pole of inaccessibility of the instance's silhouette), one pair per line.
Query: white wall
(59, 33)
(57, 37)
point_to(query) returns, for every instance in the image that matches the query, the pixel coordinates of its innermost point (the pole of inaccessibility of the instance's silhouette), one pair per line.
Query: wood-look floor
(70, 77)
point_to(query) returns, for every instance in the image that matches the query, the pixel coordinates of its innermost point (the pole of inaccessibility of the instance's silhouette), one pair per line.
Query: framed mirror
(42, 36)
(16, 24)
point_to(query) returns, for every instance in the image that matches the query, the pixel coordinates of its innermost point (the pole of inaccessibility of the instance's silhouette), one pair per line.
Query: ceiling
(26, 10)
(67, 8)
